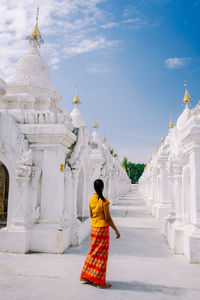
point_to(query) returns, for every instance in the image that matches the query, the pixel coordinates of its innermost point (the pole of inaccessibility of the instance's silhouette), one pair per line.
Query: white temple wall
(80, 193)
(68, 211)
(195, 187)
(52, 192)
(86, 195)
(186, 192)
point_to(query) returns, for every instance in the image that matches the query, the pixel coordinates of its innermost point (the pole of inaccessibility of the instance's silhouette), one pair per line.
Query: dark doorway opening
(4, 190)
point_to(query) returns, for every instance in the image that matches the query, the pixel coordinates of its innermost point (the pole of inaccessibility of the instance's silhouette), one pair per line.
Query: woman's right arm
(91, 215)
(110, 220)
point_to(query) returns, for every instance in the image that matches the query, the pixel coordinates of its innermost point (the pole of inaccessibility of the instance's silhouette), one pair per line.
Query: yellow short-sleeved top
(96, 205)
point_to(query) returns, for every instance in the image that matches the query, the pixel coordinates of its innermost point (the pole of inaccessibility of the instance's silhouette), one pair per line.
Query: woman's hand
(110, 220)
(117, 234)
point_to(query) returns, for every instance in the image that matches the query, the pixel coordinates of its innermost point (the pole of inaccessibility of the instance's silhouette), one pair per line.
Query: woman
(94, 270)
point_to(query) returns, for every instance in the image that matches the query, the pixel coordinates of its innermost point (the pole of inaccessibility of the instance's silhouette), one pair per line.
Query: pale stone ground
(140, 266)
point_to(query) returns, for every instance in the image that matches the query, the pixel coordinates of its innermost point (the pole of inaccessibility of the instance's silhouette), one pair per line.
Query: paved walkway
(140, 265)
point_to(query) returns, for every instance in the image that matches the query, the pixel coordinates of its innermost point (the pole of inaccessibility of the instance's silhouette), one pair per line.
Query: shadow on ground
(149, 288)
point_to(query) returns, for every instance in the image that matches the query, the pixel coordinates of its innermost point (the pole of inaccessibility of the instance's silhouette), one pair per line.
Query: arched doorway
(80, 195)
(4, 189)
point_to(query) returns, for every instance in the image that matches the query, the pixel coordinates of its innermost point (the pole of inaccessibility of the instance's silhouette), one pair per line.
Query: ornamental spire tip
(35, 37)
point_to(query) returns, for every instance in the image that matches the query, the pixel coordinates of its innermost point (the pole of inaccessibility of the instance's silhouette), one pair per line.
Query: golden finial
(95, 124)
(162, 139)
(157, 148)
(186, 98)
(171, 125)
(76, 98)
(109, 148)
(104, 138)
(35, 36)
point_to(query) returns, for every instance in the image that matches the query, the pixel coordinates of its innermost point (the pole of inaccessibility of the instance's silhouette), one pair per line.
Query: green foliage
(134, 171)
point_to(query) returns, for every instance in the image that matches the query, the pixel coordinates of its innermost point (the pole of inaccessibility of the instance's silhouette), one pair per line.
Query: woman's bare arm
(110, 220)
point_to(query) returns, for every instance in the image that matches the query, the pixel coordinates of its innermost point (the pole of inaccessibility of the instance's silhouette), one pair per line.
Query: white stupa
(32, 76)
(77, 117)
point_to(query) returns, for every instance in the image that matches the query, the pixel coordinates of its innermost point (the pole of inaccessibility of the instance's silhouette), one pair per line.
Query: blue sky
(130, 59)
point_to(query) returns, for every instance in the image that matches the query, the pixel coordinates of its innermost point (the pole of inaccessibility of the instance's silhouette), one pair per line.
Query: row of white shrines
(171, 183)
(48, 163)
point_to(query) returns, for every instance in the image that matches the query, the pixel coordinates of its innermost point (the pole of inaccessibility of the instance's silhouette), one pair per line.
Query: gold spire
(157, 148)
(104, 139)
(95, 124)
(171, 125)
(35, 36)
(162, 139)
(109, 148)
(186, 98)
(76, 98)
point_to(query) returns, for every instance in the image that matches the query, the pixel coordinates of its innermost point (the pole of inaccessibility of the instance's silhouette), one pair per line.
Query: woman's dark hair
(98, 186)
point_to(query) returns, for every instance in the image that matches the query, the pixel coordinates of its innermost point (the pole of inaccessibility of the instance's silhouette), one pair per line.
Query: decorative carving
(74, 156)
(23, 166)
(35, 179)
(13, 142)
(21, 200)
(93, 145)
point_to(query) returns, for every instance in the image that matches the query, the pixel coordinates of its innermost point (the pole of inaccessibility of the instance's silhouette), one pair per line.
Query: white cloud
(88, 46)
(110, 25)
(69, 27)
(135, 18)
(137, 23)
(176, 62)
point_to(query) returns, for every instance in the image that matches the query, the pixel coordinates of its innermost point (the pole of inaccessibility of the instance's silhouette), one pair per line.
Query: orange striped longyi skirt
(96, 261)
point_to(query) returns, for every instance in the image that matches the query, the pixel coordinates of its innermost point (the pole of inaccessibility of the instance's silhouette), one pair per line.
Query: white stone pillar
(172, 213)
(195, 187)
(154, 185)
(177, 228)
(22, 202)
(192, 237)
(186, 194)
(164, 205)
(178, 191)
(75, 174)
(170, 219)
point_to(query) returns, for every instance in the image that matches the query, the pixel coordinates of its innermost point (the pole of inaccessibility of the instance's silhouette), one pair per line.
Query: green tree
(134, 171)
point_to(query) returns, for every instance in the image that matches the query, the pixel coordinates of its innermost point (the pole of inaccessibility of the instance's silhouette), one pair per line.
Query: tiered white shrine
(48, 163)
(171, 183)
